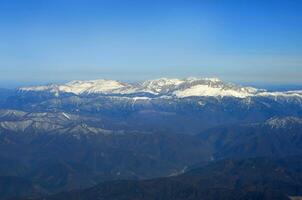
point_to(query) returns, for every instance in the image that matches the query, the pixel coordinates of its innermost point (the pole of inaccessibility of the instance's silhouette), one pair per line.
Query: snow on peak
(214, 79)
(163, 87)
(79, 87)
(94, 86)
(206, 90)
(297, 93)
(212, 87)
(160, 85)
(162, 82)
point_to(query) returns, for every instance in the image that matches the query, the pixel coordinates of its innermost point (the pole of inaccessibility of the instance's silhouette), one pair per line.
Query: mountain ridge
(253, 178)
(173, 87)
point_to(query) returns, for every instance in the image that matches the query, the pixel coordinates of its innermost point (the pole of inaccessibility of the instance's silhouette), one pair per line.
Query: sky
(236, 40)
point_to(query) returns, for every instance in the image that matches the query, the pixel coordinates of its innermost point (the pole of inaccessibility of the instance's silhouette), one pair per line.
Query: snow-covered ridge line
(179, 88)
(79, 87)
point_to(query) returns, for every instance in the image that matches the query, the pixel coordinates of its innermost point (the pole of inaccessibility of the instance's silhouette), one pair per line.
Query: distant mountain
(258, 178)
(79, 87)
(163, 87)
(146, 112)
(172, 105)
(275, 137)
(75, 135)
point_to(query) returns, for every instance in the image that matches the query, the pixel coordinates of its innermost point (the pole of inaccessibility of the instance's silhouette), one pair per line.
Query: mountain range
(255, 178)
(162, 87)
(98, 138)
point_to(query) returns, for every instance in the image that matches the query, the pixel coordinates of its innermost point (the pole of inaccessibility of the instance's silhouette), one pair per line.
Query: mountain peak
(210, 79)
(172, 87)
(161, 84)
(179, 88)
(79, 87)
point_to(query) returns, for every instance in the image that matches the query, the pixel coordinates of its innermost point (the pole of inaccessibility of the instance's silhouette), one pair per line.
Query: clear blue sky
(58, 40)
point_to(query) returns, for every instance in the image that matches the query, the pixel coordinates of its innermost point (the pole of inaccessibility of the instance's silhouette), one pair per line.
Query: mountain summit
(178, 88)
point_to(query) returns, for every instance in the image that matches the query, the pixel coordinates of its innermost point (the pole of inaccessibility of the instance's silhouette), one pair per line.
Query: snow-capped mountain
(295, 93)
(163, 87)
(212, 87)
(101, 126)
(80, 87)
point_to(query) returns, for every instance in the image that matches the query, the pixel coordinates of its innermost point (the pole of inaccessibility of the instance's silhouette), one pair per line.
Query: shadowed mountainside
(258, 178)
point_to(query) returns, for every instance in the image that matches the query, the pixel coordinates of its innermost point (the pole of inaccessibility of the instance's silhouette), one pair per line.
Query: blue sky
(235, 40)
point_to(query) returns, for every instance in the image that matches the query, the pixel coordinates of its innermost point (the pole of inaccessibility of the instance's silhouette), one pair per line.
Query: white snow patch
(205, 90)
(297, 93)
(163, 88)
(65, 115)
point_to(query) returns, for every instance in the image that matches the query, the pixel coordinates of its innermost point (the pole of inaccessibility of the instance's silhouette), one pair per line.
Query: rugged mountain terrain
(60, 151)
(275, 137)
(171, 105)
(163, 87)
(258, 178)
(72, 136)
